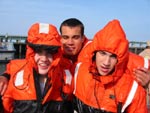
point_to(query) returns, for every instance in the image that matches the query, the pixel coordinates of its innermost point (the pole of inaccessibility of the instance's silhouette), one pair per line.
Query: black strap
(1, 105)
(83, 108)
(48, 85)
(38, 89)
(119, 107)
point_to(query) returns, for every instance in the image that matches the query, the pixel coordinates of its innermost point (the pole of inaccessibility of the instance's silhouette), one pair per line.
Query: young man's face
(105, 62)
(43, 60)
(71, 40)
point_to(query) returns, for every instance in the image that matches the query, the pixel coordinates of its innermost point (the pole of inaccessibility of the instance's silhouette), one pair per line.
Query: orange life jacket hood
(112, 38)
(41, 34)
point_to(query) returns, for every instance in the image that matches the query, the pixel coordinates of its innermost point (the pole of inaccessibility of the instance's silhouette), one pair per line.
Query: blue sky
(16, 16)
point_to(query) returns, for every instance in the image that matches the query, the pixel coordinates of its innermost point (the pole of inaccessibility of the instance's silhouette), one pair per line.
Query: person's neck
(42, 78)
(73, 58)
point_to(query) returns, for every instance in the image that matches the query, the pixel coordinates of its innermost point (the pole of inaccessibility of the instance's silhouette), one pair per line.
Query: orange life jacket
(106, 92)
(90, 90)
(22, 84)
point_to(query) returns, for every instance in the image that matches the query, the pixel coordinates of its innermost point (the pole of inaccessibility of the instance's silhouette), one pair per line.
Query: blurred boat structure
(7, 51)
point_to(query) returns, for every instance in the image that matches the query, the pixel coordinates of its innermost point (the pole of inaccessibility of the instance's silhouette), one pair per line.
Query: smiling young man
(35, 84)
(72, 38)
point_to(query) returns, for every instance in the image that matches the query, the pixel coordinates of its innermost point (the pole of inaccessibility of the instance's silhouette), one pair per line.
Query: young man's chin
(43, 72)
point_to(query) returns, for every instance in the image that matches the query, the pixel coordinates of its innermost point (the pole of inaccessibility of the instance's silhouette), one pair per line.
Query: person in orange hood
(73, 41)
(75, 46)
(105, 84)
(35, 82)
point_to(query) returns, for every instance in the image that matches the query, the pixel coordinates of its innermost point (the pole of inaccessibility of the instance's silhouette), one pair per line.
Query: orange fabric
(94, 90)
(35, 36)
(60, 81)
(26, 91)
(89, 87)
(85, 55)
(50, 37)
(135, 61)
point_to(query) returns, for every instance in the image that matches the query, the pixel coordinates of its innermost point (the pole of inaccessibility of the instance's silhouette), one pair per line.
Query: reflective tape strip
(19, 78)
(43, 28)
(75, 76)
(146, 65)
(87, 43)
(68, 77)
(130, 96)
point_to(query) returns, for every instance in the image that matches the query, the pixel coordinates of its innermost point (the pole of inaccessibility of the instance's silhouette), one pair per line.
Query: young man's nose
(107, 60)
(70, 41)
(44, 57)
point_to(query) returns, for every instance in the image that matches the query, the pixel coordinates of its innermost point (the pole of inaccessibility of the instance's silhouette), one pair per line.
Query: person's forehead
(67, 29)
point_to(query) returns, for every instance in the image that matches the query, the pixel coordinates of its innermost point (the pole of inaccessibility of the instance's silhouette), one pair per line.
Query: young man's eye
(114, 56)
(76, 36)
(65, 37)
(102, 53)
